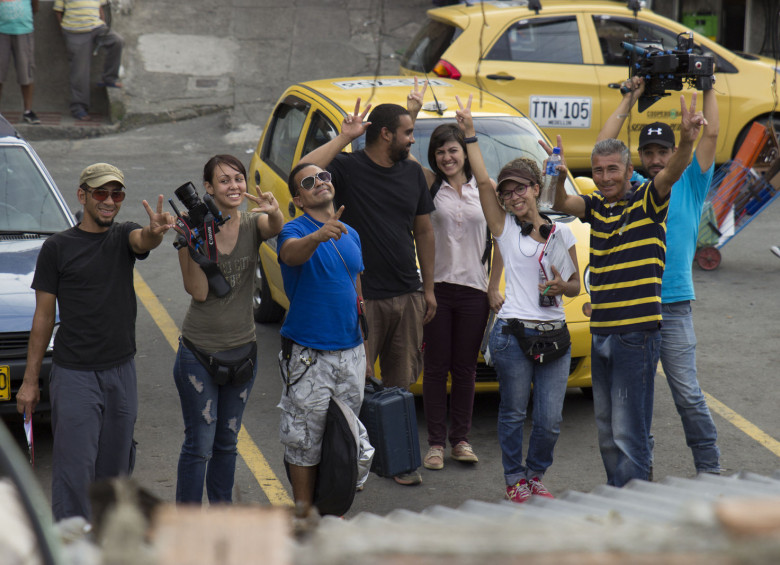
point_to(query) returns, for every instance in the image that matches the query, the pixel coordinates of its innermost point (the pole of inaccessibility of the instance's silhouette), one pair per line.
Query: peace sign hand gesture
(414, 101)
(266, 202)
(353, 125)
(691, 122)
(464, 119)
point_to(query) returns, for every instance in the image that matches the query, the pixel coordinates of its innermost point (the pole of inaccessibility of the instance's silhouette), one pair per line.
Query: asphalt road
(735, 316)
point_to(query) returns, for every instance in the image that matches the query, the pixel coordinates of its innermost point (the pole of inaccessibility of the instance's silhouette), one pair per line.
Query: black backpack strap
(435, 187)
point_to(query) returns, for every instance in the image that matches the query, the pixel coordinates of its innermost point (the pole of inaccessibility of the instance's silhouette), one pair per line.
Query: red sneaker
(519, 492)
(536, 487)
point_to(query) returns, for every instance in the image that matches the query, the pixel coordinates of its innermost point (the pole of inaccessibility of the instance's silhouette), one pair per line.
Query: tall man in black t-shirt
(88, 271)
(386, 199)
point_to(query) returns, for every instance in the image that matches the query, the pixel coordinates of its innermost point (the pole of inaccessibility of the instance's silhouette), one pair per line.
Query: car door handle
(500, 77)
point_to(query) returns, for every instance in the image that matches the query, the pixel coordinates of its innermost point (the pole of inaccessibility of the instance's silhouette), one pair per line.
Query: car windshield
(27, 201)
(501, 139)
(427, 47)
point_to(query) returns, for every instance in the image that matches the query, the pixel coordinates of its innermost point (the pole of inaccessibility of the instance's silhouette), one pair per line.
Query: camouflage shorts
(314, 376)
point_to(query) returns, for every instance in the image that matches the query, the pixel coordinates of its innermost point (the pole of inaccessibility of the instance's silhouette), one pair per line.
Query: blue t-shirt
(16, 17)
(323, 299)
(682, 230)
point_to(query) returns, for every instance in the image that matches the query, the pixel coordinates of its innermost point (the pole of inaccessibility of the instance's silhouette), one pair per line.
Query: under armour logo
(654, 131)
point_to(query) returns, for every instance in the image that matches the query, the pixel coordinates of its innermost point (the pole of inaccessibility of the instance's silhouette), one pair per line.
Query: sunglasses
(307, 183)
(101, 194)
(518, 191)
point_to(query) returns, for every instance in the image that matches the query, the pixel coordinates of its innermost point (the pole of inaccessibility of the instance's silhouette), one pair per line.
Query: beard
(399, 153)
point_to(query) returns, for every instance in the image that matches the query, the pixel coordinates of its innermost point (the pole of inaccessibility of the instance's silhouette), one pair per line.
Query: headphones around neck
(527, 227)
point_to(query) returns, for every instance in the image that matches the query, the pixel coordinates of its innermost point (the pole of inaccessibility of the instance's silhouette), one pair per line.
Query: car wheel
(743, 134)
(263, 306)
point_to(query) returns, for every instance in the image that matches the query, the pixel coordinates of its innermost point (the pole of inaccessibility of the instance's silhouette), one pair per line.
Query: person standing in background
(84, 29)
(17, 42)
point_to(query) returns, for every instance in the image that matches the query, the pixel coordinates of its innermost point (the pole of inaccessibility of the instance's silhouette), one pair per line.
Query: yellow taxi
(309, 114)
(556, 65)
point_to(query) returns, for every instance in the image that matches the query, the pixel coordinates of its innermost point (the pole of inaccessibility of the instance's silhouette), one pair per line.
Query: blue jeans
(623, 370)
(678, 357)
(212, 418)
(516, 373)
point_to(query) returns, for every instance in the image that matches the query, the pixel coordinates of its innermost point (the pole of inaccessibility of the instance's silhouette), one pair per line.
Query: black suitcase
(389, 417)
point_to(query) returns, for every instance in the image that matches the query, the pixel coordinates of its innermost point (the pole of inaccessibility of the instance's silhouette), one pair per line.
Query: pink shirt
(460, 229)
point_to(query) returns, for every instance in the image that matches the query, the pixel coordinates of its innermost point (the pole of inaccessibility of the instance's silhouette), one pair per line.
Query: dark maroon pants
(452, 342)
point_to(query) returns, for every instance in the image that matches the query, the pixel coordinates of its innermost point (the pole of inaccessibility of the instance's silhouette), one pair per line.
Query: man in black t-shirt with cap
(87, 271)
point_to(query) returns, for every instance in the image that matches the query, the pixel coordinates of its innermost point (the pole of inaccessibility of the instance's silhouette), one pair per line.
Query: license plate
(5, 382)
(561, 111)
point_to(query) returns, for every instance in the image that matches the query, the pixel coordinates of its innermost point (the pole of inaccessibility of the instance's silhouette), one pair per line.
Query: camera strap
(362, 322)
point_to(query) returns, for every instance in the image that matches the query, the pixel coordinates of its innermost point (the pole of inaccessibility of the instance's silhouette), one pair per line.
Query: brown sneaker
(408, 479)
(464, 452)
(434, 459)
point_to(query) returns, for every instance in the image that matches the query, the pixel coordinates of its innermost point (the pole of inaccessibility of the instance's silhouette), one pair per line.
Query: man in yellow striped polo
(627, 254)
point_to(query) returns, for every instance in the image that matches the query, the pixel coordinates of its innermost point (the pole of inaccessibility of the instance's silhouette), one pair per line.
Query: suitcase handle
(374, 385)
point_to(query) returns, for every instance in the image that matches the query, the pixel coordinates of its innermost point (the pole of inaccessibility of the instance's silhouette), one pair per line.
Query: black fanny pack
(542, 348)
(234, 366)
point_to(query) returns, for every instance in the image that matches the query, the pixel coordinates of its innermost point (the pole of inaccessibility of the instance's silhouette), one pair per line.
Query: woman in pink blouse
(463, 296)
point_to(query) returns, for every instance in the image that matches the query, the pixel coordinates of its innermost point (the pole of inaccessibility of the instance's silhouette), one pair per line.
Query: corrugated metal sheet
(663, 522)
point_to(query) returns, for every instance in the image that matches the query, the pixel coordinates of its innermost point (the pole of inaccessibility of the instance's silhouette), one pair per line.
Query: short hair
(611, 147)
(441, 135)
(291, 179)
(216, 160)
(384, 116)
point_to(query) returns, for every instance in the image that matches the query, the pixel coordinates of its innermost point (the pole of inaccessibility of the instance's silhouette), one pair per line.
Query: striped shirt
(80, 16)
(627, 254)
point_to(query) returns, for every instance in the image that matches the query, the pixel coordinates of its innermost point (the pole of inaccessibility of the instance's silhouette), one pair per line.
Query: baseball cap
(99, 174)
(516, 174)
(657, 132)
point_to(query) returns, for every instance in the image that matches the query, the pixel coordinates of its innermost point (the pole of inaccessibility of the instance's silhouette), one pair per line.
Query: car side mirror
(585, 185)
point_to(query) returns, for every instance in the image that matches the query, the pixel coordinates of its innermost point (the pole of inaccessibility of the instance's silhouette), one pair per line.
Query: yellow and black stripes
(627, 254)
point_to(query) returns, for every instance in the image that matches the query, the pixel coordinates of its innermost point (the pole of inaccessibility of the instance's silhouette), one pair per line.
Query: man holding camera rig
(88, 271)
(627, 238)
(678, 340)
(321, 262)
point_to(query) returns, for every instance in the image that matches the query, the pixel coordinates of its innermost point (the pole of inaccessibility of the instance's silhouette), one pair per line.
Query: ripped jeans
(212, 418)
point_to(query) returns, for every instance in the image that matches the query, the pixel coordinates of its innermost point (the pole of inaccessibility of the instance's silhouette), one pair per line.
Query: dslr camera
(196, 230)
(665, 70)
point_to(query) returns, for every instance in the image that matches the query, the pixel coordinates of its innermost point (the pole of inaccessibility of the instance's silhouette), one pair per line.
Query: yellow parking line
(247, 448)
(742, 424)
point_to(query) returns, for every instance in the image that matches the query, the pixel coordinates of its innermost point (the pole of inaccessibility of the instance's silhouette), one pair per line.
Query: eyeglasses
(307, 183)
(101, 194)
(518, 191)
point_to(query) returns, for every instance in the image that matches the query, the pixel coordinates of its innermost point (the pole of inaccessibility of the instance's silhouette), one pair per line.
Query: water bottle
(547, 197)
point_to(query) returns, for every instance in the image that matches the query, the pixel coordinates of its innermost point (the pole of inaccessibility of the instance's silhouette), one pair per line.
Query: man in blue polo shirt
(323, 355)
(627, 239)
(678, 339)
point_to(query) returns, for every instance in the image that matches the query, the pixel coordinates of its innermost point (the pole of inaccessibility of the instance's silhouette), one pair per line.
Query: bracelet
(472, 139)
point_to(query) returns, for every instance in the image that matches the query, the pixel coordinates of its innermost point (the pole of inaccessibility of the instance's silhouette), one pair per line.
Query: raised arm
(635, 87)
(151, 236)
(705, 150)
(270, 221)
(297, 250)
(494, 213)
(352, 127)
(690, 127)
(567, 203)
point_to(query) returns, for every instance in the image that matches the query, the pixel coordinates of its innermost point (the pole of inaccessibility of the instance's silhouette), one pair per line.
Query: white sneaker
(775, 249)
